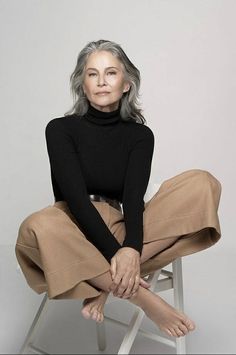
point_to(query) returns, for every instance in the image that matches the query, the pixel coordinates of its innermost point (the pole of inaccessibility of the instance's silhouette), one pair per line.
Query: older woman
(99, 236)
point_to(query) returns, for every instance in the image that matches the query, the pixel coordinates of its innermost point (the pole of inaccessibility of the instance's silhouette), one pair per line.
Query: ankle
(142, 298)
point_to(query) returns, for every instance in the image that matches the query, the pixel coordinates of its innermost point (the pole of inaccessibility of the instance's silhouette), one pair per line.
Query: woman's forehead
(103, 59)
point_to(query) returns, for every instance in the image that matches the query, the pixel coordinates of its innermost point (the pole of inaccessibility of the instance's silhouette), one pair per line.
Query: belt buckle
(112, 202)
(102, 198)
(97, 198)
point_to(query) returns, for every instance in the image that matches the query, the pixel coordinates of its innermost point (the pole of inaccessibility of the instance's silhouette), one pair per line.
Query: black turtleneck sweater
(99, 153)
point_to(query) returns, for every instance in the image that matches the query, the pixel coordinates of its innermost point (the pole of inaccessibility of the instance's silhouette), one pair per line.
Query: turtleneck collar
(102, 118)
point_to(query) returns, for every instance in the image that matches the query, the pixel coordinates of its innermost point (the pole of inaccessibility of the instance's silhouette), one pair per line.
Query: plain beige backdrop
(186, 53)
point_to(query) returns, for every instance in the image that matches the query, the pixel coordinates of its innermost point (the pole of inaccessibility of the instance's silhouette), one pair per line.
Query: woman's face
(104, 82)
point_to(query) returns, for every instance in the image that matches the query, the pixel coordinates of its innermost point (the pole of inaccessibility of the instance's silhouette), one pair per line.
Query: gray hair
(129, 105)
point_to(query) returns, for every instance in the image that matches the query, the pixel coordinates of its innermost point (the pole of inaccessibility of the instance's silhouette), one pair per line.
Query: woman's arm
(136, 182)
(65, 165)
(125, 264)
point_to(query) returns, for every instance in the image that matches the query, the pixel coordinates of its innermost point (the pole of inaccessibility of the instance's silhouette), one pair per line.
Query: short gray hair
(129, 108)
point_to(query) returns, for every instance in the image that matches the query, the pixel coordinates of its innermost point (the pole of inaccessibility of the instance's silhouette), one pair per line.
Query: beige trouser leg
(56, 257)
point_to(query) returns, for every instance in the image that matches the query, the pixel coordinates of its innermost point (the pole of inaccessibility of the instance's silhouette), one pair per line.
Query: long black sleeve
(66, 168)
(136, 182)
(101, 154)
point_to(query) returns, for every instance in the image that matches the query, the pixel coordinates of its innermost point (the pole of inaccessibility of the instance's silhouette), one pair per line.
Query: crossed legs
(167, 318)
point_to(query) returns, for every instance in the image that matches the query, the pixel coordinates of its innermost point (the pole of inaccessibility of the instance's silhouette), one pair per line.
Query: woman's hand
(125, 273)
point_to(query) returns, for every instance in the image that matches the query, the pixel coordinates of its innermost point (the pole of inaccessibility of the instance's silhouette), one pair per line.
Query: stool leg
(131, 332)
(179, 299)
(101, 336)
(136, 320)
(34, 325)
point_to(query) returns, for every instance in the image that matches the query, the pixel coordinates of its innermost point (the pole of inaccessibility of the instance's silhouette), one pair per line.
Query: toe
(100, 318)
(86, 314)
(94, 315)
(190, 325)
(168, 332)
(183, 328)
(178, 332)
(173, 332)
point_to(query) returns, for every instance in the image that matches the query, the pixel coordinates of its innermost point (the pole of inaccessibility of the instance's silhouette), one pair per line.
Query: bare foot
(93, 307)
(166, 317)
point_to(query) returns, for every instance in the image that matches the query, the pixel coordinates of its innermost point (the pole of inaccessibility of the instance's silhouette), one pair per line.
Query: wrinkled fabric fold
(56, 258)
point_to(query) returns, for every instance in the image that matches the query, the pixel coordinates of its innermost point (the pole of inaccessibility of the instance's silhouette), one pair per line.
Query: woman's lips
(102, 93)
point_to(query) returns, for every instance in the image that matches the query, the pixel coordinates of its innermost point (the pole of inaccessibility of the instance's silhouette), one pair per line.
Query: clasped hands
(125, 273)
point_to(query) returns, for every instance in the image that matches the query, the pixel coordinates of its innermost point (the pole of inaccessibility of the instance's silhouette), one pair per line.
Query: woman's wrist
(131, 249)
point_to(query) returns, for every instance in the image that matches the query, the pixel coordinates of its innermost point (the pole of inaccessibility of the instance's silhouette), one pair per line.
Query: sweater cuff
(109, 254)
(135, 245)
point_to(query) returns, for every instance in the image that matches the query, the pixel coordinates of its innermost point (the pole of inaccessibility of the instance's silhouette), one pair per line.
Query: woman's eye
(110, 72)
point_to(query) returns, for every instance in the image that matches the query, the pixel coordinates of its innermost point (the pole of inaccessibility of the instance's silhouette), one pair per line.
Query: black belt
(112, 202)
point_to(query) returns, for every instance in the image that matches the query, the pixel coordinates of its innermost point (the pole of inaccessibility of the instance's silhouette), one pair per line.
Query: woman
(99, 236)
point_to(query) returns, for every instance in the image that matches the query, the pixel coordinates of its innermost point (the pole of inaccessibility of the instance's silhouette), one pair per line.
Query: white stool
(160, 280)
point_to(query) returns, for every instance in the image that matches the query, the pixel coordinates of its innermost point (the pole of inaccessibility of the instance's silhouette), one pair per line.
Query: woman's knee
(203, 178)
(28, 227)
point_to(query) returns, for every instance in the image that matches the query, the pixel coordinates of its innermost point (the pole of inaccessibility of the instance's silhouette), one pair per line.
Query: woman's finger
(128, 291)
(144, 283)
(113, 268)
(123, 285)
(115, 283)
(116, 278)
(136, 284)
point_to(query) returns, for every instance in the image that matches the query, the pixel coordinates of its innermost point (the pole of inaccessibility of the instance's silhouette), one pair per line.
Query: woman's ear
(83, 90)
(126, 87)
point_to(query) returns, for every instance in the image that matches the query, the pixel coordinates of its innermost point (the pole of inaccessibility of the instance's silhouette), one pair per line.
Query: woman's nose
(101, 80)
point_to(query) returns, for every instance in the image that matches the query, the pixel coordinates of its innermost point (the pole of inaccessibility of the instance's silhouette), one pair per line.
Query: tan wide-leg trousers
(55, 256)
